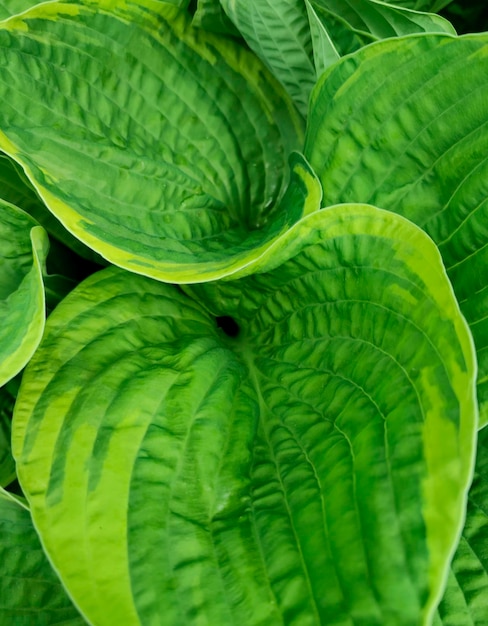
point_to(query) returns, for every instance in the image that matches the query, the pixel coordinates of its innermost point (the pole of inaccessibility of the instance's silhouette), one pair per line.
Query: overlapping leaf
(160, 146)
(16, 189)
(22, 257)
(278, 31)
(287, 471)
(403, 124)
(352, 24)
(211, 16)
(30, 592)
(464, 602)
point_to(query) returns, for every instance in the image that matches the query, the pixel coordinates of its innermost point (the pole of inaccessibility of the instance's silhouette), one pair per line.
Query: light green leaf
(30, 592)
(161, 146)
(352, 24)
(403, 125)
(260, 451)
(464, 602)
(22, 257)
(278, 31)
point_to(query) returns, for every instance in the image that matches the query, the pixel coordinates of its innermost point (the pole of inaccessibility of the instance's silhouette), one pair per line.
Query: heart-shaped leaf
(30, 592)
(403, 124)
(260, 451)
(22, 257)
(464, 602)
(161, 146)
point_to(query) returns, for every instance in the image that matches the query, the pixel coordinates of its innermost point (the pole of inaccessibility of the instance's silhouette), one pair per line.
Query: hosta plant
(257, 230)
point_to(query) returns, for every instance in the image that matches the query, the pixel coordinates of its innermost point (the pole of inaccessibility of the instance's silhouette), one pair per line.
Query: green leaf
(22, 257)
(8, 8)
(353, 24)
(30, 592)
(419, 5)
(260, 451)
(325, 53)
(16, 189)
(7, 463)
(211, 16)
(403, 125)
(160, 146)
(464, 601)
(278, 32)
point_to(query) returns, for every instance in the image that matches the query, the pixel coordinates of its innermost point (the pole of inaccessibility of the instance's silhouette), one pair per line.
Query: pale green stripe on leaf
(403, 125)
(30, 592)
(464, 601)
(8, 8)
(22, 257)
(161, 146)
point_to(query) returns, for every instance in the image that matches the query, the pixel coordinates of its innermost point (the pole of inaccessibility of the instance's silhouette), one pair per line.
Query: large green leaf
(260, 451)
(278, 32)
(464, 602)
(161, 146)
(23, 251)
(351, 24)
(30, 592)
(402, 124)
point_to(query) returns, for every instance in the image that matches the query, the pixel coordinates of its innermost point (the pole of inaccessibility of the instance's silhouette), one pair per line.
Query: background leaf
(8, 394)
(22, 315)
(278, 32)
(285, 472)
(402, 125)
(30, 592)
(210, 15)
(464, 602)
(353, 24)
(161, 146)
(16, 189)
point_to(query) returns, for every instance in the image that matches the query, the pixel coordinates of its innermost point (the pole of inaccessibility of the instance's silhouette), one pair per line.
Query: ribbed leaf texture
(259, 451)
(161, 146)
(402, 124)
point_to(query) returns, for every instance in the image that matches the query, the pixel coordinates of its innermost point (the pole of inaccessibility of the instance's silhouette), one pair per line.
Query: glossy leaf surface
(402, 124)
(161, 146)
(260, 451)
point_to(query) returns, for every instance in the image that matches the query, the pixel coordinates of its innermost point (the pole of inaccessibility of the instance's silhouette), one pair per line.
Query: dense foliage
(244, 304)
